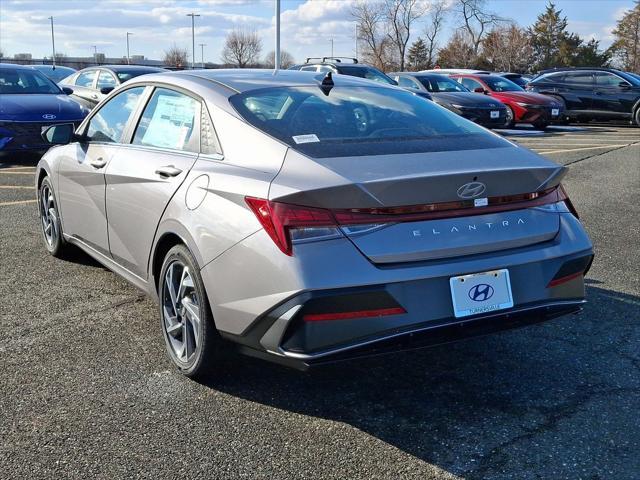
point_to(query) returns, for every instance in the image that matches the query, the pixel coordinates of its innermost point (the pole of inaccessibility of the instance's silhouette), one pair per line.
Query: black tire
(636, 117)
(50, 225)
(206, 346)
(541, 125)
(510, 118)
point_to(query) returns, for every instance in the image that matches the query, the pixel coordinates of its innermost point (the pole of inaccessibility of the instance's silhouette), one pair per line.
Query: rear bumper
(267, 294)
(424, 336)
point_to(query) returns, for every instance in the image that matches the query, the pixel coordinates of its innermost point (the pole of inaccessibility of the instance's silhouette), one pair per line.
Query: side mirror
(106, 90)
(624, 85)
(67, 90)
(479, 90)
(59, 134)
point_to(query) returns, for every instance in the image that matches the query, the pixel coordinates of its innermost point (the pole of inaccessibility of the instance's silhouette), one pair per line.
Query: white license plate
(555, 112)
(481, 293)
(495, 114)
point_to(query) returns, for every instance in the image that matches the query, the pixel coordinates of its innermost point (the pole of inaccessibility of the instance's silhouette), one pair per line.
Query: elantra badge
(471, 190)
(49, 116)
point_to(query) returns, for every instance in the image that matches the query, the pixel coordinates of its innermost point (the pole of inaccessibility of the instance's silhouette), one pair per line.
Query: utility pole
(332, 47)
(276, 59)
(202, 45)
(128, 58)
(356, 40)
(53, 45)
(193, 38)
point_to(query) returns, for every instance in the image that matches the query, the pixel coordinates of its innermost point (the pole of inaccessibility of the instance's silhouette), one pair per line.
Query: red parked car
(522, 106)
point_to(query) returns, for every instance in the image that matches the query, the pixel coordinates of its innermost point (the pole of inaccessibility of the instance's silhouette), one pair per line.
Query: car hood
(525, 97)
(467, 99)
(32, 107)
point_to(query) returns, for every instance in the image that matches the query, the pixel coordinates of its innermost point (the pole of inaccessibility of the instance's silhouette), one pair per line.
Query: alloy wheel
(48, 215)
(181, 311)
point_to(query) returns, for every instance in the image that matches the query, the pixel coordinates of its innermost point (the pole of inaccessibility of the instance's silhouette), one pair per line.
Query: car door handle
(98, 162)
(168, 171)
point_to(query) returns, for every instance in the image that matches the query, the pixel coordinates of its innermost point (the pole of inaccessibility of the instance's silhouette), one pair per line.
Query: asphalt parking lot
(86, 390)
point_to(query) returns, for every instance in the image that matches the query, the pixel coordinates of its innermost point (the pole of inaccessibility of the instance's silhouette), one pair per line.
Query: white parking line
(16, 173)
(18, 202)
(18, 187)
(579, 149)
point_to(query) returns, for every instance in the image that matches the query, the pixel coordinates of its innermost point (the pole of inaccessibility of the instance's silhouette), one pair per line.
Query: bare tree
(176, 57)
(286, 59)
(508, 48)
(401, 15)
(437, 17)
(242, 48)
(370, 18)
(476, 21)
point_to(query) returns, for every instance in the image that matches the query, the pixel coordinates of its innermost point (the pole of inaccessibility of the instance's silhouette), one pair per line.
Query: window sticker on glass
(309, 138)
(171, 123)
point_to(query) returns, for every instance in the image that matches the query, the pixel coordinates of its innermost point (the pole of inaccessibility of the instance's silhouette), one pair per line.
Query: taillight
(287, 224)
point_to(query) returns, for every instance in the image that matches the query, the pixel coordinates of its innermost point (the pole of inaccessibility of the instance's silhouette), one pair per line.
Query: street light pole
(276, 59)
(53, 45)
(356, 40)
(193, 38)
(332, 47)
(128, 58)
(202, 45)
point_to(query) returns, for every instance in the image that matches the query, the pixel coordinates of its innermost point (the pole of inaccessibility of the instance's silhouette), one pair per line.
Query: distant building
(22, 56)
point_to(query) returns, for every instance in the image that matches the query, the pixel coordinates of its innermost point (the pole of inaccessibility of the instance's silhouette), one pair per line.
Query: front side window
(85, 79)
(354, 121)
(21, 81)
(169, 121)
(605, 79)
(108, 124)
(106, 80)
(368, 73)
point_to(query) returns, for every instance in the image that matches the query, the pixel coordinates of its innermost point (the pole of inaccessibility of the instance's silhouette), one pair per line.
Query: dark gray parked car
(93, 84)
(308, 219)
(454, 96)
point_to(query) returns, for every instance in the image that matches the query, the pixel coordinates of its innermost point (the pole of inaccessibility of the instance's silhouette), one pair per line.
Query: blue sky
(307, 25)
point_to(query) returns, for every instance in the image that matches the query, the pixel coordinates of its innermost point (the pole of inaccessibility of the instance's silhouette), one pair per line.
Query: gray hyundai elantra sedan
(307, 218)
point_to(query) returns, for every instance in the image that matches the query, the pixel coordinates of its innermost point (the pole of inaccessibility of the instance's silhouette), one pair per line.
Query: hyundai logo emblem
(481, 292)
(471, 190)
(49, 116)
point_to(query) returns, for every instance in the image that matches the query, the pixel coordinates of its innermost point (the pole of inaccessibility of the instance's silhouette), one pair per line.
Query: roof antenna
(327, 84)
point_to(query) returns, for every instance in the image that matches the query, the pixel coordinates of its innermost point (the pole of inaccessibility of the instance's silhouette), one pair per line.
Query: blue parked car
(29, 101)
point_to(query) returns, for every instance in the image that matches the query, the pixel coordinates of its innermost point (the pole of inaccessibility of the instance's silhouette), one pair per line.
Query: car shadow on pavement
(501, 401)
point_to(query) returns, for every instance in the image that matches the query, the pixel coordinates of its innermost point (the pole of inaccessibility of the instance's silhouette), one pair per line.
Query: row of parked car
(558, 95)
(33, 97)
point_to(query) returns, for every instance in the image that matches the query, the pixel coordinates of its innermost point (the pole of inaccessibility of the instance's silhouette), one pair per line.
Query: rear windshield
(22, 80)
(500, 84)
(352, 121)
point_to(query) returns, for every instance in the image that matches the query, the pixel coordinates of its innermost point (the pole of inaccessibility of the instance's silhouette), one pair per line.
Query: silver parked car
(309, 218)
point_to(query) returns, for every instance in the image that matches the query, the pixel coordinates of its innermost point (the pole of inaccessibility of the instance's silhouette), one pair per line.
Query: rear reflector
(571, 269)
(380, 312)
(559, 281)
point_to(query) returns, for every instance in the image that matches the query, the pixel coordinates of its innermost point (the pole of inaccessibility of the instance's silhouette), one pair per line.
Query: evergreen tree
(589, 55)
(418, 56)
(549, 38)
(626, 46)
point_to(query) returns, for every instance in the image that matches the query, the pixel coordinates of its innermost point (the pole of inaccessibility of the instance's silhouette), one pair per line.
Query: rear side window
(106, 80)
(108, 124)
(550, 78)
(85, 79)
(407, 82)
(169, 121)
(579, 79)
(471, 84)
